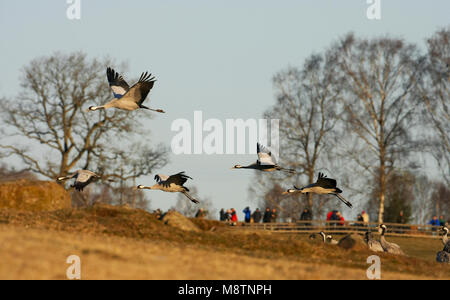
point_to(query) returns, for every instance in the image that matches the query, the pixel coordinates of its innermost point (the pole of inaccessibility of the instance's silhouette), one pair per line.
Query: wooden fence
(337, 227)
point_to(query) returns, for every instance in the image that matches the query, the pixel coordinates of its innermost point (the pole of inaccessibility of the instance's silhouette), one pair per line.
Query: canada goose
(127, 98)
(328, 239)
(323, 185)
(82, 179)
(389, 247)
(172, 184)
(266, 162)
(443, 257)
(373, 245)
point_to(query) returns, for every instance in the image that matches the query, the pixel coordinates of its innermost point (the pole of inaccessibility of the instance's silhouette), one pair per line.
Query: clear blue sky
(214, 56)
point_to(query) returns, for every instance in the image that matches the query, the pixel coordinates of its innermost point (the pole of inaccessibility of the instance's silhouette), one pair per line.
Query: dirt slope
(124, 243)
(32, 195)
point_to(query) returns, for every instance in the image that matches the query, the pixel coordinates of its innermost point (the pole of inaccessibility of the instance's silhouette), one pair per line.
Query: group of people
(335, 217)
(435, 221)
(229, 215)
(270, 215)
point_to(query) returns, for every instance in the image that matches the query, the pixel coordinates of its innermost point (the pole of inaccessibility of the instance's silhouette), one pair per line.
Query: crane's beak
(89, 109)
(284, 193)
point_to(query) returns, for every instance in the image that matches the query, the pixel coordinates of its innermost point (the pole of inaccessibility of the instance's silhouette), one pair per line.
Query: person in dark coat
(200, 213)
(267, 216)
(223, 215)
(401, 218)
(257, 216)
(359, 219)
(306, 216)
(273, 217)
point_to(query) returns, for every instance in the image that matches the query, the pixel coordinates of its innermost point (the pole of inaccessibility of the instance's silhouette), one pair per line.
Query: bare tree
(440, 200)
(289, 207)
(422, 189)
(377, 77)
(53, 134)
(306, 104)
(189, 209)
(400, 196)
(11, 174)
(272, 198)
(434, 91)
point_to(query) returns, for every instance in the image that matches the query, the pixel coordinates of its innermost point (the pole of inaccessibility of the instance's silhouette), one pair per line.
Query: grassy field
(121, 243)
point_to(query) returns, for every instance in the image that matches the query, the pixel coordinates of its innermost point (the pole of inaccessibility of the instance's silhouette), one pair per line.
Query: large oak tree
(47, 126)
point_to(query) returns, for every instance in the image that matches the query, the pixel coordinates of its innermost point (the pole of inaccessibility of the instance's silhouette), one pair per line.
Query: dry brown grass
(32, 195)
(122, 243)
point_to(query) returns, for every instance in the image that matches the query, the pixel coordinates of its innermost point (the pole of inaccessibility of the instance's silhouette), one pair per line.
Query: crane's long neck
(382, 238)
(67, 177)
(93, 108)
(153, 187)
(110, 104)
(323, 236)
(247, 167)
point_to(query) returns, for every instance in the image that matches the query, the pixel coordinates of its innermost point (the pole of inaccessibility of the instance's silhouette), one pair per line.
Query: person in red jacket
(234, 218)
(330, 214)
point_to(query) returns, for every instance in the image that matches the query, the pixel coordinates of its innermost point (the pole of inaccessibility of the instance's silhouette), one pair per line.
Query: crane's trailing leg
(343, 200)
(190, 197)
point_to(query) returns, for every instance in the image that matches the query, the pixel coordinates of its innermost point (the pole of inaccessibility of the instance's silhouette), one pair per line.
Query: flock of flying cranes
(131, 98)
